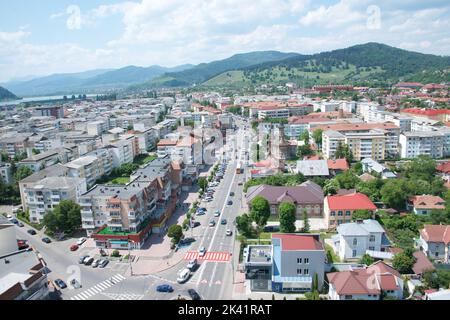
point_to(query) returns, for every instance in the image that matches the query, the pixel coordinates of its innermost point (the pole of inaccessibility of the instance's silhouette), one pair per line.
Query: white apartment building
(147, 140)
(329, 106)
(96, 128)
(330, 142)
(92, 166)
(277, 113)
(45, 194)
(416, 143)
(6, 173)
(121, 152)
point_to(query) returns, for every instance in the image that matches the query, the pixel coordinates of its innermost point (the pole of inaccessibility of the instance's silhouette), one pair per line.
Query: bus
(239, 168)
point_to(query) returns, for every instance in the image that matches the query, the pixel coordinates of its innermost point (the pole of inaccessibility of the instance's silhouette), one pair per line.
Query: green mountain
(369, 63)
(90, 81)
(205, 71)
(6, 95)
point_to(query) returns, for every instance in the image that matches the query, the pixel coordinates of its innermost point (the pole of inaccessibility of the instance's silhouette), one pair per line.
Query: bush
(115, 253)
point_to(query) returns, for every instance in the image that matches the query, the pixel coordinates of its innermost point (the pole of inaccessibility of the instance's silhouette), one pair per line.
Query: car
(217, 213)
(15, 221)
(96, 263)
(223, 222)
(271, 228)
(88, 261)
(75, 284)
(187, 240)
(31, 231)
(74, 247)
(240, 183)
(194, 295)
(229, 232)
(61, 284)
(21, 224)
(164, 288)
(81, 241)
(231, 194)
(212, 223)
(196, 224)
(103, 263)
(9, 217)
(46, 240)
(184, 276)
(192, 264)
(201, 213)
(22, 244)
(230, 203)
(82, 258)
(201, 251)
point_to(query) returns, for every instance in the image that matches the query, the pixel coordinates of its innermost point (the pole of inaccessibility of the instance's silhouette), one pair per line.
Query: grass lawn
(119, 180)
(144, 159)
(108, 231)
(333, 255)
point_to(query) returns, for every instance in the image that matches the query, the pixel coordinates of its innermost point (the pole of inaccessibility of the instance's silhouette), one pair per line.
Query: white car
(192, 264)
(81, 241)
(228, 232)
(201, 251)
(184, 276)
(217, 213)
(9, 217)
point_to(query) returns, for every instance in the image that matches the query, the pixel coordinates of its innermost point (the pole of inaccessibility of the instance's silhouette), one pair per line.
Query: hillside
(205, 71)
(361, 64)
(90, 81)
(6, 95)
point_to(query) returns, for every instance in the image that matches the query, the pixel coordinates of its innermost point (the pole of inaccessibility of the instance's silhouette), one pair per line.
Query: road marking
(98, 288)
(218, 282)
(209, 256)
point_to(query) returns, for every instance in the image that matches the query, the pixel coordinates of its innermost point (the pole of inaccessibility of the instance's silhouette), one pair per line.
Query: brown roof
(427, 202)
(436, 233)
(356, 127)
(422, 263)
(167, 142)
(307, 192)
(366, 177)
(12, 293)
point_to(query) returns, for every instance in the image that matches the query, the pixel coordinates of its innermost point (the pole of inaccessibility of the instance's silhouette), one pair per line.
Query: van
(184, 276)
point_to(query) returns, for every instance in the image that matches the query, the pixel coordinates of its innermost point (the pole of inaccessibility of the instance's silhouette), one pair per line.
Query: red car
(22, 244)
(74, 247)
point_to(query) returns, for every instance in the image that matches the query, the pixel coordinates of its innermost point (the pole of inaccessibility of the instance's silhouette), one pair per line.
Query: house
(424, 204)
(434, 241)
(337, 166)
(422, 263)
(313, 168)
(369, 165)
(22, 275)
(306, 197)
(371, 283)
(438, 295)
(366, 177)
(339, 209)
(289, 264)
(444, 169)
(355, 239)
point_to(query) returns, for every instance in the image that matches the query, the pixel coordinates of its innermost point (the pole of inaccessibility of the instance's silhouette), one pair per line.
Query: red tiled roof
(355, 201)
(338, 164)
(428, 202)
(356, 127)
(422, 263)
(426, 112)
(436, 233)
(444, 167)
(293, 242)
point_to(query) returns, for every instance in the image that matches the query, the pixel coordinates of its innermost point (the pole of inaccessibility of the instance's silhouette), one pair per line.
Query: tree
(394, 193)
(202, 183)
(306, 225)
(35, 151)
(422, 168)
(361, 215)
(66, 217)
(366, 259)
(371, 188)
(317, 136)
(175, 232)
(244, 224)
(260, 211)
(305, 136)
(347, 180)
(287, 213)
(331, 187)
(304, 150)
(404, 261)
(22, 172)
(343, 151)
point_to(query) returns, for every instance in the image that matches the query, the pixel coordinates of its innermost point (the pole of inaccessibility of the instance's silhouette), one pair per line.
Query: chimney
(340, 113)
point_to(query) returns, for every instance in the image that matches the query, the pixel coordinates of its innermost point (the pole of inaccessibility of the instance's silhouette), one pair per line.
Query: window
(355, 241)
(306, 271)
(299, 260)
(354, 253)
(306, 260)
(348, 297)
(372, 248)
(347, 213)
(299, 271)
(372, 238)
(340, 213)
(333, 213)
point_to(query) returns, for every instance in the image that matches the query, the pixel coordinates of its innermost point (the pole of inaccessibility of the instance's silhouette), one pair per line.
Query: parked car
(21, 224)
(212, 223)
(224, 221)
(96, 263)
(164, 288)
(74, 247)
(271, 228)
(200, 213)
(9, 217)
(230, 202)
(88, 261)
(46, 240)
(187, 240)
(22, 244)
(231, 194)
(184, 276)
(229, 232)
(192, 264)
(81, 241)
(75, 284)
(103, 263)
(217, 213)
(201, 251)
(82, 258)
(61, 284)
(14, 220)
(31, 231)
(194, 295)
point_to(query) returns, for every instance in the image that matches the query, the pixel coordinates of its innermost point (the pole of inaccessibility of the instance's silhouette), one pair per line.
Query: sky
(61, 36)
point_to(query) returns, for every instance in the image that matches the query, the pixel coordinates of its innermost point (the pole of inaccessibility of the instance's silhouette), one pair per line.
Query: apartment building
(43, 195)
(354, 239)
(273, 113)
(416, 143)
(49, 111)
(45, 159)
(339, 209)
(92, 166)
(6, 173)
(146, 139)
(14, 143)
(97, 128)
(121, 151)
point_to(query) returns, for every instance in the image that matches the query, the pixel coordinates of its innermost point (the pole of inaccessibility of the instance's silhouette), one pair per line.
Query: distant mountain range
(89, 81)
(6, 95)
(370, 63)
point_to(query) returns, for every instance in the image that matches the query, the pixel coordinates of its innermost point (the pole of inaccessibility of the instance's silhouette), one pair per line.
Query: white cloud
(74, 20)
(6, 37)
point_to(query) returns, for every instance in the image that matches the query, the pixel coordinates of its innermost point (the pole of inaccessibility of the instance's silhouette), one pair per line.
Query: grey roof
(360, 229)
(59, 183)
(152, 170)
(56, 170)
(313, 167)
(120, 191)
(307, 192)
(46, 154)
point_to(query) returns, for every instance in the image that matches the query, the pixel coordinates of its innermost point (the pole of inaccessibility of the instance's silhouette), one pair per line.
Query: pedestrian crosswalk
(100, 287)
(209, 256)
(124, 296)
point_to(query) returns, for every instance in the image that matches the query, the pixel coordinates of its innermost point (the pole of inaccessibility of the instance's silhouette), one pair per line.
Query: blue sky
(56, 36)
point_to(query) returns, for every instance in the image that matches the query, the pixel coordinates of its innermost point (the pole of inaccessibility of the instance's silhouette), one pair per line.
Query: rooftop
(360, 228)
(259, 254)
(355, 201)
(297, 242)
